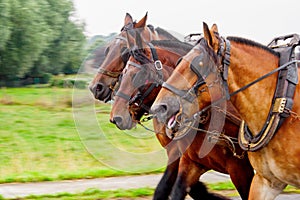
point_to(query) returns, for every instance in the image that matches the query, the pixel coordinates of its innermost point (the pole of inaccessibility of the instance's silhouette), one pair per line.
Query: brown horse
(140, 73)
(104, 83)
(247, 72)
(116, 56)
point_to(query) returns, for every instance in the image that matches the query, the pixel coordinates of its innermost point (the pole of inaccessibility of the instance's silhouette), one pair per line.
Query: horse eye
(125, 54)
(106, 51)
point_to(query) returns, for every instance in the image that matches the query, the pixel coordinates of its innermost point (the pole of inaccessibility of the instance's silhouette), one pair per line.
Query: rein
(185, 94)
(199, 113)
(221, 136)
(286, 65)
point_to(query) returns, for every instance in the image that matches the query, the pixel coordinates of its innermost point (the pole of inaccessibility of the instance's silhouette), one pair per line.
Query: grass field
(223, 188)
(39, 139)
(45, 136)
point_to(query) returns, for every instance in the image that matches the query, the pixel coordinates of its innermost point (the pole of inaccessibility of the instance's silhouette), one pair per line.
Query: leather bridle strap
(225, 63)
(157, 62)
(134, 64)
(188, 95)
(264, 76)
(121, 38)
(109, 73)
(123, 95)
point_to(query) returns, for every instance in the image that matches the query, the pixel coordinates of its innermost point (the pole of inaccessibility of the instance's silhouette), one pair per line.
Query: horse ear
(128, 19)
(142, 22)
(207, 34)
(214, 29)
(215, 37)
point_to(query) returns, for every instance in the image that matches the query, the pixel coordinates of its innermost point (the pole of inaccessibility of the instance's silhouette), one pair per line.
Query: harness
(282, 101)
(124, 57)
(190, 94)
(143, 59)
(125, 53)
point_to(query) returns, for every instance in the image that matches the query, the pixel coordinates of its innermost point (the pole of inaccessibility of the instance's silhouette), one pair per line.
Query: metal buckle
(158, 65)
(279, 105)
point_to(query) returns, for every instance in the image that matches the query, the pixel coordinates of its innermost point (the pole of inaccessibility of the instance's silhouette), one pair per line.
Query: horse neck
(168, 59)
(247, 63)
(149, 35)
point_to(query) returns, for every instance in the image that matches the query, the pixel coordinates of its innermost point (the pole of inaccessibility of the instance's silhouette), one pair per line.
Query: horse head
(139, 81)
(191, 87)
(117, 54)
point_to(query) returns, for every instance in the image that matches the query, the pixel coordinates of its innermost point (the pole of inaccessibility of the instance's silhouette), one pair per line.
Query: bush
(62, 82)
(46, 77)
(56, 82)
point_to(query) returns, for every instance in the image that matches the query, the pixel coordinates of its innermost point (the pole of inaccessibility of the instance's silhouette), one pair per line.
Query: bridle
(197, 66)
(124, 55)
(144, 61)
(202, 65)
(192, 93)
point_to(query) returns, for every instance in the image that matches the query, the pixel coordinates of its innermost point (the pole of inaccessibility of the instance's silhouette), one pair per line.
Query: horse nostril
(159, 108)
(117, 120)
(99, 87)
(160, 111)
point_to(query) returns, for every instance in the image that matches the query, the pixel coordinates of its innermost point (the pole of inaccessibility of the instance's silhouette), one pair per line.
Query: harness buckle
(158, 65)
(279, 105)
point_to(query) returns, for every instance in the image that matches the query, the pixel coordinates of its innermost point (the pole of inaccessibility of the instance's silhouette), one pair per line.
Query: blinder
(125, 54)
(196, 68)
(144, 75)
(140, 78)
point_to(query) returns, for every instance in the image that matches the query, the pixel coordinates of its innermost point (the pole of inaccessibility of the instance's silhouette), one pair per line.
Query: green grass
(221, 186)
(93, 194)
(39, 140)
(224, 188)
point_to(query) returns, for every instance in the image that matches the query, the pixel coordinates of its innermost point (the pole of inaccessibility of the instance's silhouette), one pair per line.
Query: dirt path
(14, 190)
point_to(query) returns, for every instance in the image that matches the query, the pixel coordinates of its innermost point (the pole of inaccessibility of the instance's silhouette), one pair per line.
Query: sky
(258, 20)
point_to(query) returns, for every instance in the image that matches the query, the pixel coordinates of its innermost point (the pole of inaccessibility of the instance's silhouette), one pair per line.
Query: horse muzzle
(165, 110)
(121, 123)
(101, 92)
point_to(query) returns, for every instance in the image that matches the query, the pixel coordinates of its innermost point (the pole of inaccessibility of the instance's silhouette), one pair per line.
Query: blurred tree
(65, 51)
(5, 25)
(39, 37)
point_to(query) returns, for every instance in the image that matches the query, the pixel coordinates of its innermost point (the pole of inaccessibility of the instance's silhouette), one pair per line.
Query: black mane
(175, 45)
(252, 43)
(161, 31)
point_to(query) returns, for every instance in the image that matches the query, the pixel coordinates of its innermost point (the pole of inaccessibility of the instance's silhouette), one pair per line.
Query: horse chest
(280, 161)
